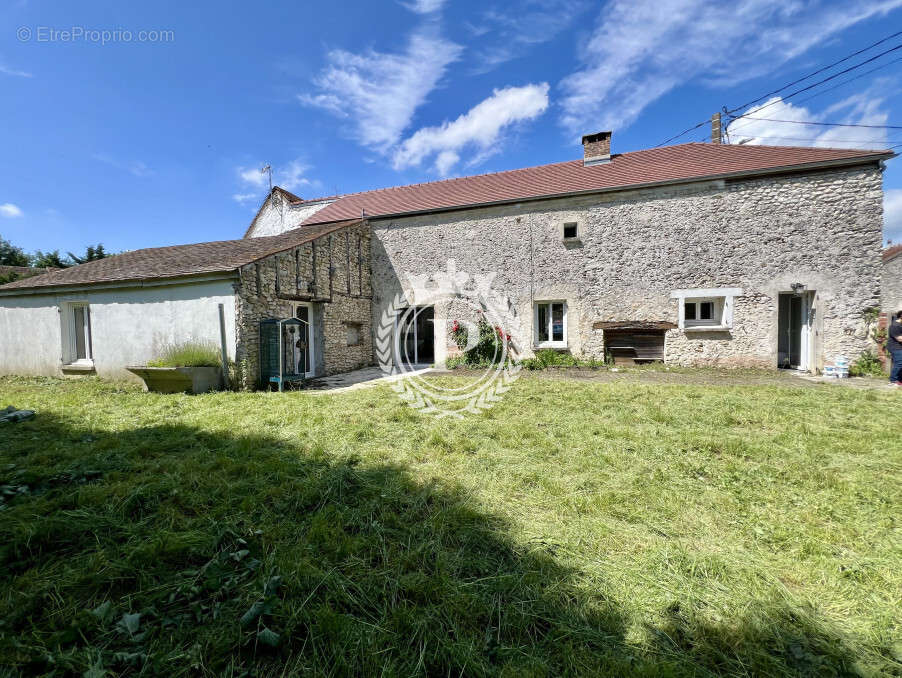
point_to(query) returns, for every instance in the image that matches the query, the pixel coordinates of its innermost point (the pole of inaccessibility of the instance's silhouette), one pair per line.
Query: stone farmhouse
(695, 254)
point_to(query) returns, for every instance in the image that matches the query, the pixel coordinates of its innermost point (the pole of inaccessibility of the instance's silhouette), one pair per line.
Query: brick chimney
(596, 148)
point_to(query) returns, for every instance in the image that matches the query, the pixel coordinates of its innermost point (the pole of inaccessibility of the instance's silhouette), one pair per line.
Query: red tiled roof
(177, 261)
(685, 162)
(892, 252)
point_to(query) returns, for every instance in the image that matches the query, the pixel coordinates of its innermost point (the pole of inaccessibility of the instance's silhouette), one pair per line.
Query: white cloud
(516, 27)
(16, 73)
(424, 6)
(380, 91)
(253, 176)
(255, 184)
(865, 108)
(478, 129)
(892, 214)
(641, 49)
(10, 211)
(243, 198)
(292, 178)
(135, 167)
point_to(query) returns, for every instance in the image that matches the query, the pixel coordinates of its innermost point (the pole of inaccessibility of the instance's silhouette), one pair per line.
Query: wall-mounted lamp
(798, 288)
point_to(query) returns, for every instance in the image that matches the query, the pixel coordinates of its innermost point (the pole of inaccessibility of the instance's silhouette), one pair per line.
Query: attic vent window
(571, 230)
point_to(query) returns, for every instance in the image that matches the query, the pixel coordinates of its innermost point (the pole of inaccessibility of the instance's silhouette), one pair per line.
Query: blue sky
(139, 140)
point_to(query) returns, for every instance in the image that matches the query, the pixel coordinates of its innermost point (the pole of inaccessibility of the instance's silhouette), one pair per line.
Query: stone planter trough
(179, 379)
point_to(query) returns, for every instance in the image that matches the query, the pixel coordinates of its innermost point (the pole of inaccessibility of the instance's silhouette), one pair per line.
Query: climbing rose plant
(488, 347)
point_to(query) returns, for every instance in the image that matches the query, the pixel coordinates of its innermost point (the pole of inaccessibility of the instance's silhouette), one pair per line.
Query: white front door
(805, 334)
(794, 331)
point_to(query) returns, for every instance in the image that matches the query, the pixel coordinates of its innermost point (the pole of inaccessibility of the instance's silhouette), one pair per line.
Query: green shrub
(188, 354)
(867, 365)
(489, 346)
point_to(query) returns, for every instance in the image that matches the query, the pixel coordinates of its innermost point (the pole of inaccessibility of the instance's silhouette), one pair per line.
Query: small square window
(709, 309)
(571, 230)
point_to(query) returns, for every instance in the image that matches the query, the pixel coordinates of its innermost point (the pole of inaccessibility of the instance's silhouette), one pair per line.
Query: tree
(91, 254)
(49, 260)
(10, 255)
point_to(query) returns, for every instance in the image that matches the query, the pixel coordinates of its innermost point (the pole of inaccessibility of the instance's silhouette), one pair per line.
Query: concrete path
(351, 381)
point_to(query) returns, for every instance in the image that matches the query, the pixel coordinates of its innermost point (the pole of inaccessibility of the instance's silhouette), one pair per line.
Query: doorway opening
(302, 350)
(415, 338)
(793, 331)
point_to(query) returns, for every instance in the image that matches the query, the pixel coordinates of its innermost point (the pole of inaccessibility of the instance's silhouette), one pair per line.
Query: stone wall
(891, 285)
(821, 229)
(333, 273)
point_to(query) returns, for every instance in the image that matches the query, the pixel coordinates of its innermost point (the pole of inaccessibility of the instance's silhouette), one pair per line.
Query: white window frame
(716, 312)
(721, 297)
(535, 324)
(70, 345)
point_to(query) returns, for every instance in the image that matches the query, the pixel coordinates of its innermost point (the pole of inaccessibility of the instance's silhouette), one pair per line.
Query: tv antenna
(267, 169)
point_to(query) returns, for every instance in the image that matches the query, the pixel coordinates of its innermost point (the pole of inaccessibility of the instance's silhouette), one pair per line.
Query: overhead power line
(820, 70)
(685, 131)
(823, 124)
(809, 87)
(819, 82)
(853, 79)
(828, 89)
(832, 141)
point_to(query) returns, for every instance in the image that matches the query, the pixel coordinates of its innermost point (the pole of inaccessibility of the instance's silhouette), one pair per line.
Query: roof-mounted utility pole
(716, 129)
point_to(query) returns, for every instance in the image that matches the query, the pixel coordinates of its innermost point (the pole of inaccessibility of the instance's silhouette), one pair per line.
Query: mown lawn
(574, 529)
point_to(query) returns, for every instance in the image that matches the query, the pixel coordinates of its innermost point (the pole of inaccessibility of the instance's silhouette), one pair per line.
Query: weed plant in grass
(575, 529)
